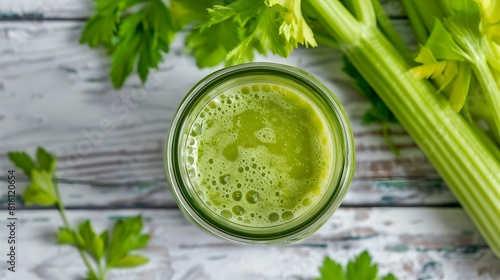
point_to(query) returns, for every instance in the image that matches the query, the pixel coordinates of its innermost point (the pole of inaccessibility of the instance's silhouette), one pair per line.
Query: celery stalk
(428, 11)
(466, 165)
(385, 25)
(416, 21)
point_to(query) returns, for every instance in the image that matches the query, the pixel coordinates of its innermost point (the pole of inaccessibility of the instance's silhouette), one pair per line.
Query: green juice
(260, 154)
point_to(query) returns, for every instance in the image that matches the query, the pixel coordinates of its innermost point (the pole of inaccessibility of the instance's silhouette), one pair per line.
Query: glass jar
(206, 202)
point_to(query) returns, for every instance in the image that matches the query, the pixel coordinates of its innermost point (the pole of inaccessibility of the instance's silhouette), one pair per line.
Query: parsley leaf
(92, 242)
(69, 237)
(101, 28)
(23, 161)
(389, 276)
(41, 189)
(331, 270)
(46, 161)
(91, 276)
(361, 268)
(126, 237)
(135, 41)
(130, 261)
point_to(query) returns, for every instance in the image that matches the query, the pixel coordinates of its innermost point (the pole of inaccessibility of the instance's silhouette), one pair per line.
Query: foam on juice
(259, 154)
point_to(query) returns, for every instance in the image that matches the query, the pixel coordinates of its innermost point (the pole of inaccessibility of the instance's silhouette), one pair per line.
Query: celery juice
(259, 154)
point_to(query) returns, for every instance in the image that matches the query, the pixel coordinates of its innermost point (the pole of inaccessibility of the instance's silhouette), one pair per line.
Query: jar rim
(177, 183)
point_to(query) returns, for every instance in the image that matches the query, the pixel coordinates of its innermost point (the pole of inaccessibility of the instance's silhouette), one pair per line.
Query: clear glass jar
(179, 163)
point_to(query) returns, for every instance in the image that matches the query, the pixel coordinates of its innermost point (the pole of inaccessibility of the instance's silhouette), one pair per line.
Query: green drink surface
(260, 154)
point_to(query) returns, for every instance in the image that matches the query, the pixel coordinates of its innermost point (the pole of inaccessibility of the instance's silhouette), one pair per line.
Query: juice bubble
(287, 215)
(238, 210)
(237, 195)
(226, 214)
(266, 88)
(273, 217)
(196, 130)
(307, 201)
(224, 179)
(252, 197)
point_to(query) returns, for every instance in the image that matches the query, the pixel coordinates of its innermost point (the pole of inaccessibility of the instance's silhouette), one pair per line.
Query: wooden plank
(29, 9)
(413, 243)
(381, 192)
(56, 93)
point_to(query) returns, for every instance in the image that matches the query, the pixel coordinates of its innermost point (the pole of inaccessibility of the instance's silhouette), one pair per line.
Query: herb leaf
(92, 242)
(41, 189)
(442, 45)
(331, 270)
(101, 28)
(23, 161)
(361, 268)
(130, 261)
(68, 236)
(136, 40)
(126, 237)
(46, 161)
(389, 276)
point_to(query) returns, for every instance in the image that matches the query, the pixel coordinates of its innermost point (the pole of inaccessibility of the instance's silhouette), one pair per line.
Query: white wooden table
(54, 93)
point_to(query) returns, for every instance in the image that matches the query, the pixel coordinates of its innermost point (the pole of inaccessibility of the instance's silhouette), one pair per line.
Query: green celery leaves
(134, 41)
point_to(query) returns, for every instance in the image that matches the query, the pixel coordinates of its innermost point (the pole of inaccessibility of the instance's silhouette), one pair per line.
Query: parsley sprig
(105, 250)
(135, 39)
(361, 268)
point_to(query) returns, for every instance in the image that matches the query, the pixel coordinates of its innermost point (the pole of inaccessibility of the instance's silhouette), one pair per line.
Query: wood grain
(413, 243)
(56, 93)
(70, 9)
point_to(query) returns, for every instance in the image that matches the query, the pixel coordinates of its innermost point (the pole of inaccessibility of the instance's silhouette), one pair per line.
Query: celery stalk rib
(466, 165)
(416, 22)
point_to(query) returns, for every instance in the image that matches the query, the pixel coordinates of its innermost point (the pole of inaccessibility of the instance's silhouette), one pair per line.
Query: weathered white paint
(413, 243)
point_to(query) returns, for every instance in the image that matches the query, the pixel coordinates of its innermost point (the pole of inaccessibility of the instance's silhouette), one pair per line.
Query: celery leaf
(41, 189)
(460, 87)
(22, 160)
(442, 45)
(134, 41)
(126, 237)
(294, 26)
